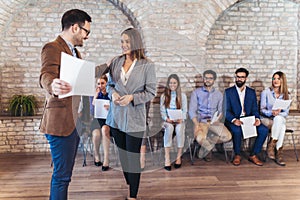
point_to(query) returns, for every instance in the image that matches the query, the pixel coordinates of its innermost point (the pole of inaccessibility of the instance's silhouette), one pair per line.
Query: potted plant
(22, 105)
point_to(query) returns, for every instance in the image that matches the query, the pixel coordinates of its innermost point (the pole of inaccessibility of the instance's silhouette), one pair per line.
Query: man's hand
(60, 87)
(257, 122)
(237, 122)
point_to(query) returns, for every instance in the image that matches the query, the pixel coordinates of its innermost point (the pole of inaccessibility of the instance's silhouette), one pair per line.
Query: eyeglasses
(86, 31)
(240, 77)
(208, 78)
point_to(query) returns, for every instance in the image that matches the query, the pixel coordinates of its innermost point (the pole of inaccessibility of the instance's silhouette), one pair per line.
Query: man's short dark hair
(74, 16)
(242, 70)
(210, 72)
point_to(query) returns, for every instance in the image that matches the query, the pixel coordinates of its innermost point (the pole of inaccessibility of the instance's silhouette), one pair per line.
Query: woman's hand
(125, 100)
(276, 112)
(115, 98)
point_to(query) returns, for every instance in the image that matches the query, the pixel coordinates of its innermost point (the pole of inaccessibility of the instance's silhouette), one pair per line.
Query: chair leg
(225, 152)
(150, 149)
(116, 151)
(295, 150)
(190, 148)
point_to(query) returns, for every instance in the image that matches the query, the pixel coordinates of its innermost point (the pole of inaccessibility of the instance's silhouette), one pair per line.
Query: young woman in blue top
(173, 98)
(98, 124)
(275, 119)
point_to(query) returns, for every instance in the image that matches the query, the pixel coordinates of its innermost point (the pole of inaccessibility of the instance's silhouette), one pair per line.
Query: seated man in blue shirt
(206, 111)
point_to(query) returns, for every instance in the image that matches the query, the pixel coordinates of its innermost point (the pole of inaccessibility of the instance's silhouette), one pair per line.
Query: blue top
(267, 101)
(204, 103)
(163, 109)
(100, 96)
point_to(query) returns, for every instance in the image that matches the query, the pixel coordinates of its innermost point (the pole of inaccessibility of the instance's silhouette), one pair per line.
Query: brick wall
(184, 37)
(21, 135)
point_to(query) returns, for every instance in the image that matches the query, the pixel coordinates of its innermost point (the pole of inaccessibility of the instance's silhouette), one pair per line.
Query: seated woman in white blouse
(275, 119)
(173, 98)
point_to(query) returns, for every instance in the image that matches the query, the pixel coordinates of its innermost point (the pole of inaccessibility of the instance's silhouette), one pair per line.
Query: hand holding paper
(175, 114)
(101, 110)
(60, 87)
(80, 74)
(248, 127)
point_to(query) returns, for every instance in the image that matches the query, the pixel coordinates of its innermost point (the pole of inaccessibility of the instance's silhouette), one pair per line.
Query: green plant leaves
(22, 105)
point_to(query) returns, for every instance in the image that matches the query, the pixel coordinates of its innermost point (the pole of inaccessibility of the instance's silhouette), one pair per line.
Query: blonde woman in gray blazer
(132, 82)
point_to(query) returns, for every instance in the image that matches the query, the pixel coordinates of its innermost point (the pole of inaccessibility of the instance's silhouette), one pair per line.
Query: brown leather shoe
(254, 159)
(237, 160)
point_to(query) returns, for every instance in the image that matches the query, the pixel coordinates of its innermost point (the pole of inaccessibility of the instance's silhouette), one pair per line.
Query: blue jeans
(63, 153)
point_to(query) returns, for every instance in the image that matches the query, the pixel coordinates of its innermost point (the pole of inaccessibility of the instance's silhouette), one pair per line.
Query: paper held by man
(79, 73)
(248, 128)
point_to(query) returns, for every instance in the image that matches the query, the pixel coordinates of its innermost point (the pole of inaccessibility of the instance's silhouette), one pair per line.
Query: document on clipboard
(248, 128)
(100, 111)
(175, 114)
(79, 73)
(281, 104)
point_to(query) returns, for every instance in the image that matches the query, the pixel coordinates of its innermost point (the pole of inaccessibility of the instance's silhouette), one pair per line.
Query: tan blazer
(60, 115)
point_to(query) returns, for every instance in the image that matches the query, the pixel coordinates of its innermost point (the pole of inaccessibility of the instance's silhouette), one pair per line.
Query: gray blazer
(141, 84)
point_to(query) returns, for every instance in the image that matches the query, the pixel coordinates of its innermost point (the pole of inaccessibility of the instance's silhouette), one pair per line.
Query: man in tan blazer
(60, 115)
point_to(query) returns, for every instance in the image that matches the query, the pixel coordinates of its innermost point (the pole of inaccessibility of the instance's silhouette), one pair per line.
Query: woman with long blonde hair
(275, 119)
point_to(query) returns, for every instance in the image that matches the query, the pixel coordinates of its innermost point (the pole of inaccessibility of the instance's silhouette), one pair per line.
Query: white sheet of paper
(281, 104)
(175, 114)
(100, 111)
(79, 73)
(215, 117)
(249, 130)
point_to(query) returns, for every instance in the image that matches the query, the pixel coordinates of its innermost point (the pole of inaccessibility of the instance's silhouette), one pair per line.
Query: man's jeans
(63, 152)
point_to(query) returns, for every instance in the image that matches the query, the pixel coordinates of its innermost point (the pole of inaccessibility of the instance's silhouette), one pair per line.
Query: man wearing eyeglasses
(60, 115)
(240, 101)
(205, 110)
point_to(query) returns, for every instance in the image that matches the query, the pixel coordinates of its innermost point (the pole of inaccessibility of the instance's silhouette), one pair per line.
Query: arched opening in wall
(261, 36)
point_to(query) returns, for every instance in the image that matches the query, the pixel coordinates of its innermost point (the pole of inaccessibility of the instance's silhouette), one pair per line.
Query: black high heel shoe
(168, 168)
(105, 168)
(177, 166)
(98, 164)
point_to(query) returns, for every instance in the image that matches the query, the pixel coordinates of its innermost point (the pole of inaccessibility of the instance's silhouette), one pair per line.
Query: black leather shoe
(168, 168)
(98, 164)
(105, 168)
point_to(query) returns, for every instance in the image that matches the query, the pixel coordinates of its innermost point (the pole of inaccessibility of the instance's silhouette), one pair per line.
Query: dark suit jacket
(60, 115)
(232, 105)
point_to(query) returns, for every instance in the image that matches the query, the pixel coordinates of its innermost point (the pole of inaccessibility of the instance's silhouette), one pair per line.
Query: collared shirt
(204, 103)
(242, 98)
(267, 101)
(71, 46)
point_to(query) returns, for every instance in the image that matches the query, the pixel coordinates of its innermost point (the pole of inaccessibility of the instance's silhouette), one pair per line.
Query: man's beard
(240, 83)
(208, 84)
